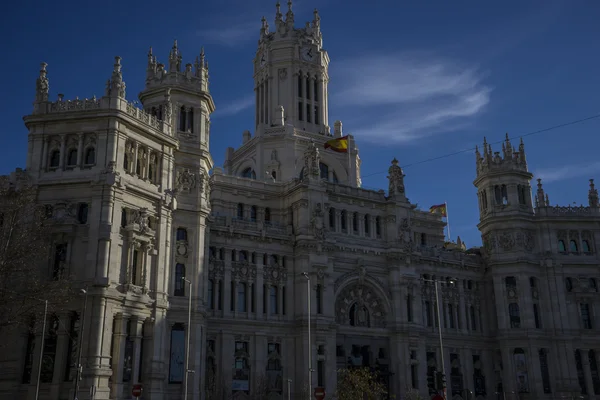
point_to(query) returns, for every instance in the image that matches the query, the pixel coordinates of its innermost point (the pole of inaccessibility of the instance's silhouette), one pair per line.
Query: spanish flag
(339, 145)
(439, 209)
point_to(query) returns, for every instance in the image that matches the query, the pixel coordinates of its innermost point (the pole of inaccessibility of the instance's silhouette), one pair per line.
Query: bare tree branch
(359, 383)
(25, 249)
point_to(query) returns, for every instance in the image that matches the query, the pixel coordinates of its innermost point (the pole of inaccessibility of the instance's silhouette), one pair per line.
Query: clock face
(307, 53)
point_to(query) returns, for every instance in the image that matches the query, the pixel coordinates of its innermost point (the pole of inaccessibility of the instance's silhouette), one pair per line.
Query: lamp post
(187, 340)
(289, 382)
(39, 372)
(84, 292)
(439, 319)
(309, 340)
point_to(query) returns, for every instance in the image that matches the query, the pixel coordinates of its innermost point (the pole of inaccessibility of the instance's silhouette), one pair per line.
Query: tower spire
(593, 195)
(289, 16)
(541, 199)
(42, 85)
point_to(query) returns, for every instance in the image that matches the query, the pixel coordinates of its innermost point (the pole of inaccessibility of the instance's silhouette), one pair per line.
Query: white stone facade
(140, 211)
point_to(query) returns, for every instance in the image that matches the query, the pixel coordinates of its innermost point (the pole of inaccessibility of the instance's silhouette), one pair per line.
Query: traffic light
(440, 380)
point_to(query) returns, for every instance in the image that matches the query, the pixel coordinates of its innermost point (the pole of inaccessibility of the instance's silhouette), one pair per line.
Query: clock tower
(290, 70)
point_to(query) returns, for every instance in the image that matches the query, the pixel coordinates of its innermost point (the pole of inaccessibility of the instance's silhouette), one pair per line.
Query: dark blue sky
(412, 79)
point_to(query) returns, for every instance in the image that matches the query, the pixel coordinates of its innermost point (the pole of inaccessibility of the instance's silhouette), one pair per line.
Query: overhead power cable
(578, 121)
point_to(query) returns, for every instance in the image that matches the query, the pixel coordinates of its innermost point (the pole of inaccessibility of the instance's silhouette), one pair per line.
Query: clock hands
(309, 53)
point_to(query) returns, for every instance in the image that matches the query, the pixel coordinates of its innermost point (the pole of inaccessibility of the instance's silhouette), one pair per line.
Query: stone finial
(396, 181)
(593, 195)
(337, 129)
(289, 16)
(116, 85)
(540, 197)
(42, 85)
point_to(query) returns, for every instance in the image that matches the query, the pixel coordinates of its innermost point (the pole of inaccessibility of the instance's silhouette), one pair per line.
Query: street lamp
(84, 292)
(289, 382)
(439, 318)
(309, 341)
(187, 340)
(39, 373)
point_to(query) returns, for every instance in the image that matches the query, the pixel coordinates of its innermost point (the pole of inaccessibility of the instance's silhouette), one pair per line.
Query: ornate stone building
(146, 221)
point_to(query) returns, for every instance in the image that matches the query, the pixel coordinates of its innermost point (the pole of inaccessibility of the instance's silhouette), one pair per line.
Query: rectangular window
(451, 315)
(319, 294)
(473, 321)
(177, 358)
(179, 282)
(70, 365)
(586, 318)
(414, 376)
(29, 354)
(273, 300)
(283, 300)
(232, 296)
(307, 88)
(211, 294)
(252, 297)
(308, 113)
(428, 313)
(265, 301)
(409, 313)
(220, 296)
(300, 110)
(60, 256)
(536, 316)
(320, 372)
(134, 267)
(241, 297)
(316, 91)
(317, 115)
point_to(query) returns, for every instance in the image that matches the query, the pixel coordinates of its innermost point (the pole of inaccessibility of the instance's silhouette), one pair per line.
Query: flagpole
(448, 222)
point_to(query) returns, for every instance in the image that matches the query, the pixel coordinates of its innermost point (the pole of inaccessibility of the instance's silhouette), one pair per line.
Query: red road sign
(437, 397)
(319, 393)
(136, 390)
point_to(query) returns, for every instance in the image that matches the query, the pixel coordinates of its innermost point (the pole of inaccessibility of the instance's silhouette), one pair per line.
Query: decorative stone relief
(528, 241)
(283, 74)
(311, 161)
(370, 310)
(317, 222)
(506, 241)
(274, 273)
(185, 180)
(216, 269)
(243, 271)
(141, 219)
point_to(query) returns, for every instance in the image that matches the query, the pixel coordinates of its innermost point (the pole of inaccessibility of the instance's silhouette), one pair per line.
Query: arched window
(332, 218)
(585, 246)
(545, 371)
(54, 158)
(573, 246)
(515, 315)
(126, 162)
(210, 294)
(253, 213)
(367, 224)
(240, 211)
(344, 220)
(324, 171)
(182, 234)
(249, 173)
(355, 222)
(267, 215)
(568, 284)
(378, 226)
(473, 319)
(72, 158)
(243, 255)
(300, 83)
(561, 246)
(359, 316)
(90, 156)
(138, 167)
(182, 119)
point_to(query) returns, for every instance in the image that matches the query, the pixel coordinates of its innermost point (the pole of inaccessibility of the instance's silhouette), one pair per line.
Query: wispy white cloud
(234, 107)
(409, 96)
(231, 34)
(567, 172)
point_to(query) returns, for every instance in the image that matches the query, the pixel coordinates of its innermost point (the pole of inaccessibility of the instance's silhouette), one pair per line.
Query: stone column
(466, 356)
(45, 143)
(80, 150)
(280, 302)
(461, 308)
(63, 139)
(135, 159)
(118, 355)
(137, 324)
(226, 289)
(587, 372)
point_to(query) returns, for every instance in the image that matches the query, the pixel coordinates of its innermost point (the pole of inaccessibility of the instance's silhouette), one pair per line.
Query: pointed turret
(593, 195)
(541, 199)
(289, 16)
(278, 15)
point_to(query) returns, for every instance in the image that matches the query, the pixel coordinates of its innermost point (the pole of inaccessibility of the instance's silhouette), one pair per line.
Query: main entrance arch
(363, 313)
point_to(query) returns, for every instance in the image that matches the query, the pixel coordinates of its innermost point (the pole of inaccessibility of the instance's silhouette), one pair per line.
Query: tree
(412, 394)
(25, 248)
(217, 388)
(359, 384)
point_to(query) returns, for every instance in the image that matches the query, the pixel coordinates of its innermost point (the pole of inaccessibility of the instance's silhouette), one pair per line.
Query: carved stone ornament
(141, 219)
(528, 241)
(311, 161)
(396, 179)
(368, 308)
(185, 181)
(216, 269)
(317, 222)
(506, 241)
(274, 274)
(283, 74)
(243, 271)
(42, 85)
